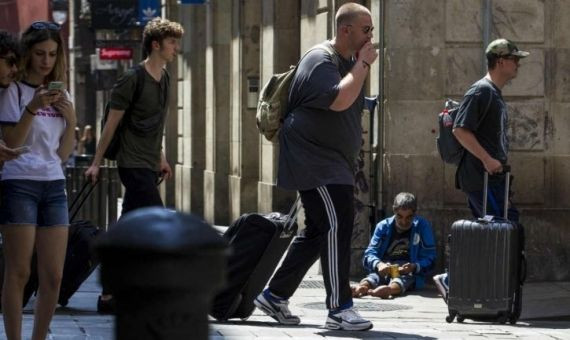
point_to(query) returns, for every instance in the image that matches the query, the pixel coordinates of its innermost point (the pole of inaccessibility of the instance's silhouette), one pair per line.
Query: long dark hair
(34, 35)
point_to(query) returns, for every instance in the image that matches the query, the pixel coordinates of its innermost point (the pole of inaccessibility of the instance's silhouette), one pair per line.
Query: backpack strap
(166, 87)
(140, 75)
(327, 46)
(478, 125)
(139, 86)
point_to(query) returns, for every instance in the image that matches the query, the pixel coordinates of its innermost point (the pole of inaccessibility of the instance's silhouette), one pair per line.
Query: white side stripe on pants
(332, 247)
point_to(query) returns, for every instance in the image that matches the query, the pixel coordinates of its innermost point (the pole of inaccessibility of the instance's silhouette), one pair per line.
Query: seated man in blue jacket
(400, 254)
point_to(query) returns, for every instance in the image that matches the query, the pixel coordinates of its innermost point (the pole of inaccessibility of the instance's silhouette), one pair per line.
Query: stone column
(279, 49)
(244, 137)
(218, 84)
(170, 140)
(191, 99)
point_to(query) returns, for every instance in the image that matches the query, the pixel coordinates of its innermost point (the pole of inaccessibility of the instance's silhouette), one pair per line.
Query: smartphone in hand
(56, 86)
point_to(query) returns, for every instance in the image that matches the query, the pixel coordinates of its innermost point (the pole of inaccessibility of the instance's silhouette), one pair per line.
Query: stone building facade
(430, 50)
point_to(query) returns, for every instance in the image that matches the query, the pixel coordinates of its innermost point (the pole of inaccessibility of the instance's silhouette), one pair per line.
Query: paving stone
(424, 320)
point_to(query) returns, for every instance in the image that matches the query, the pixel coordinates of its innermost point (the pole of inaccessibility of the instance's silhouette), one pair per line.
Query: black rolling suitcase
(79, 259)
(487, 267)
(258, 243)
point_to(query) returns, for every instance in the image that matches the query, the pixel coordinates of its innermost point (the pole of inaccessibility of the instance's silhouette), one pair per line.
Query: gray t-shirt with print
(141, 149)
(490, 129)
(319, 146)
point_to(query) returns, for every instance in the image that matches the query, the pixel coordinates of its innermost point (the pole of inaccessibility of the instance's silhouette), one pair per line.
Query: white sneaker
(348, 320)
(441, 285)
(275, 308)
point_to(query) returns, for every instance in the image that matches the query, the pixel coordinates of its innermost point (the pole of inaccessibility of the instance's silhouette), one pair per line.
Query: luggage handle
(523, 270)
(291, 218)
(74, 207)
(507, 172)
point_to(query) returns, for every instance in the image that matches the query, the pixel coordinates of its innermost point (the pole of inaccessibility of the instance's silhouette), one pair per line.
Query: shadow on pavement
(371, 334)
(75, 311)
(551, 323)
(263, 324)
(428, 292)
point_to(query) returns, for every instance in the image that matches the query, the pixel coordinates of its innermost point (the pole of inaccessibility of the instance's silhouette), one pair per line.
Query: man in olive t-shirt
(481, 127)
(140, 158)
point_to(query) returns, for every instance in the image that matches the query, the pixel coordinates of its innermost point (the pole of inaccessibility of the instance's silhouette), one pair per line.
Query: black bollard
(163, 268)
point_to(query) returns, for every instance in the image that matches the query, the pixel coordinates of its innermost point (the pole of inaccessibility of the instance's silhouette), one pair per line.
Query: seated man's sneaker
(276, 308)
(348, 320)
(442, 285)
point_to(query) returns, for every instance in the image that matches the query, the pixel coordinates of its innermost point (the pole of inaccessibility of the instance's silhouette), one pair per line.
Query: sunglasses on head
(10, 60)
(45, 25)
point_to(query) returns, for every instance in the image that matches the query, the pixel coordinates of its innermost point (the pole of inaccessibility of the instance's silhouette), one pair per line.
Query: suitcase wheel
(460, 319)
(502, 319)
(449, 318)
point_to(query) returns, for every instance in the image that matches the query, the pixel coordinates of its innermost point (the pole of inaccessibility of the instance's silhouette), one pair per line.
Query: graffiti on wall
(526, 126)
(362, 185)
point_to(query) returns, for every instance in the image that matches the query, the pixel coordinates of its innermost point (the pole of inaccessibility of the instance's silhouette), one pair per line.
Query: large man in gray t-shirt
(319, 142)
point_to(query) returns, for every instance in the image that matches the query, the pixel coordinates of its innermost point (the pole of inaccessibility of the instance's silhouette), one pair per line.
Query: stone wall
(434, 50)
(430, 50)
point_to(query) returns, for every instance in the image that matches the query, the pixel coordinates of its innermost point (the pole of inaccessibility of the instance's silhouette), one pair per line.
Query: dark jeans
(141, 191)
(329, 218)
(495, 202)
(140, 188)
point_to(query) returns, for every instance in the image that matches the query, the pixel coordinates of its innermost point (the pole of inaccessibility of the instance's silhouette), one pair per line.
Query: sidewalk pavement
(546, 315)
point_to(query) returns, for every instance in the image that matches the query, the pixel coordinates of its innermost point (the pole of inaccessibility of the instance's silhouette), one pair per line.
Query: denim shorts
(41, 203)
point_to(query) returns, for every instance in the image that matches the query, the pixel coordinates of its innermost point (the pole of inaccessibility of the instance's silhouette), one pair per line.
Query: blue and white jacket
(422, 247)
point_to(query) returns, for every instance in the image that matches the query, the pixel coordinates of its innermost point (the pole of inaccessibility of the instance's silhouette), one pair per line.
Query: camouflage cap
(503, 48)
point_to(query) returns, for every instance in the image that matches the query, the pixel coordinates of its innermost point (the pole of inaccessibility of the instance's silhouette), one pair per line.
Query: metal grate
(312, 284)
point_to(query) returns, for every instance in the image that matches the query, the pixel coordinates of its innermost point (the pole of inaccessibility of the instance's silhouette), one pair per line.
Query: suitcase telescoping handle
(80, 198)
(292, 217)
(507, 172)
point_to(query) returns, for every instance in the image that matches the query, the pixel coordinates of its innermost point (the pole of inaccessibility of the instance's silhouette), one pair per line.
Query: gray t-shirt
(141, 150)
(491, 132)
(319, 146)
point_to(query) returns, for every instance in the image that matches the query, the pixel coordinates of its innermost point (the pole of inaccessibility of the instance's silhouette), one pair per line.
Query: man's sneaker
(441, 283)
(276, 308)
(348, 320)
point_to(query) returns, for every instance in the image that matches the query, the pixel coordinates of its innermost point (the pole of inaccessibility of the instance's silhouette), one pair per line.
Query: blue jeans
(41, 203)
(495, 203)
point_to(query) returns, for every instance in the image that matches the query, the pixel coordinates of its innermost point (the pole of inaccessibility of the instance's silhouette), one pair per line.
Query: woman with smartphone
(34, 202)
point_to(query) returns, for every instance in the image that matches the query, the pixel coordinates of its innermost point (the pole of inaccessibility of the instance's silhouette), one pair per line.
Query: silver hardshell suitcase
(486, 267)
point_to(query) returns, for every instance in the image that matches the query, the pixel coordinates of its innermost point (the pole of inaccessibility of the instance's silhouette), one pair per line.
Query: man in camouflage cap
(503, 47)
(481, 127)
